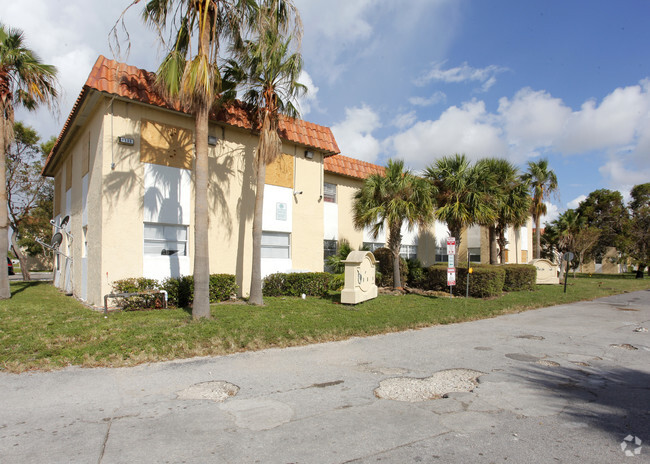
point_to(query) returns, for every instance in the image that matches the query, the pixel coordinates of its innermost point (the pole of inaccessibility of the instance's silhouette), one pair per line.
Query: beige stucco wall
(346, 187)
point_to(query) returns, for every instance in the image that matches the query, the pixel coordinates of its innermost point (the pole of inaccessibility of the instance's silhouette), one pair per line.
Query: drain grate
(437, 386)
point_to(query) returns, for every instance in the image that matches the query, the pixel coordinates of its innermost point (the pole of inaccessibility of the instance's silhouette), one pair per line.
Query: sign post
(451, 269)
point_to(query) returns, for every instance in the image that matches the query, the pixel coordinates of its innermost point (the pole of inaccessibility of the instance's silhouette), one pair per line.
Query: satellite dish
(56, 240)
(64, 222)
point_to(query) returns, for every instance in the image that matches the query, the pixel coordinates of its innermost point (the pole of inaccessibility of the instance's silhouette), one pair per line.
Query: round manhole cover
(434, 387)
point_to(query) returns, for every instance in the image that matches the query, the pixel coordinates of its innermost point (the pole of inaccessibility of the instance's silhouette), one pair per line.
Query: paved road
(561, 384)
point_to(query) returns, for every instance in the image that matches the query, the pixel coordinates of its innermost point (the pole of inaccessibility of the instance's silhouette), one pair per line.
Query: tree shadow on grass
(19, 287)
(615, 400)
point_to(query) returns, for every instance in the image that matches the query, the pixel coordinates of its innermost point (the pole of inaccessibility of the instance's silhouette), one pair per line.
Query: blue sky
(519, 79)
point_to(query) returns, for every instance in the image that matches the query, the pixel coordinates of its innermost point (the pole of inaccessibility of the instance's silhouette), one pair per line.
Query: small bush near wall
(384, 259)
(222, 287)
(180, 291)
(134, 285)
(295, 284)
(415, 272)
(485, 281)
(519, 277)
(337, 282)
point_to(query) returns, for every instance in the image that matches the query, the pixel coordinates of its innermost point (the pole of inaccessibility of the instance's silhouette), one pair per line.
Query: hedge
(180, 290)
(519, 277)
(485, 281)
(297, 283)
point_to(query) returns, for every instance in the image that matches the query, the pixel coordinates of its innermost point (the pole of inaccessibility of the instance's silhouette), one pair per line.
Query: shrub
(133, 285)
(334, 262)
(337, 282)
(384, 259)
(222, 287)
(180, 290)
(415, 272)
(295, 284)
(519, 277)
(485, 280)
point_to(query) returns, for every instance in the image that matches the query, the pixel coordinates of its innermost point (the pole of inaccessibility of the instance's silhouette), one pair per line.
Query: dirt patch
(437, 386)
(218, 391)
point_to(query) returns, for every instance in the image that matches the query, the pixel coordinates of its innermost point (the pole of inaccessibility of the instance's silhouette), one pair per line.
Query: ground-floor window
(475, 255)
(329, 248)
(408, 251)
(276, 245)
(165, 239)
(441, 254)
(372, 246)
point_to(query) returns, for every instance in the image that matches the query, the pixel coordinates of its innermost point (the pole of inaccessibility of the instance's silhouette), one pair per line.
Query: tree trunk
(494, 254)
(201, 305)
(517, 252)
(394, 244)
(501, 241)
(21, 257)
(538, 239)
(5, 292)
(640, 270)
(255, 297)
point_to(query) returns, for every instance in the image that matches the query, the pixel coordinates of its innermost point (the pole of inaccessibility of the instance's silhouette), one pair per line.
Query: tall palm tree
(391, 199)
(24, 81)
(191, 74)
(511, 200)
(543, 182)
(462, 193)
(268, 67)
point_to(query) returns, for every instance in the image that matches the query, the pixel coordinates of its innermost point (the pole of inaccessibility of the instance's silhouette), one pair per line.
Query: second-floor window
(329, 193)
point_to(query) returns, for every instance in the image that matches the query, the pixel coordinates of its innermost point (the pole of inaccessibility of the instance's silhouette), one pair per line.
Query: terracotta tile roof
(136, 84)
(351, 167)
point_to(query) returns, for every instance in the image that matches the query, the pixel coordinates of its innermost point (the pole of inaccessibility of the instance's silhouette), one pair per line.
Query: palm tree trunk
(494, 254)
(5, 292)
(395, 244)
(201, 306)
(255, 296)
(538, 239)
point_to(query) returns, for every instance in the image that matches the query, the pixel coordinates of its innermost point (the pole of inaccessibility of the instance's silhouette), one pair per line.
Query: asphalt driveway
(563, 384)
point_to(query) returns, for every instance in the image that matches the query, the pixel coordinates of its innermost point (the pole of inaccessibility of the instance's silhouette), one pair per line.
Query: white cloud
(311, 97)
(437, 97)
(354, 134)
(573, 204)
(404, 120)
(463, 73)
(552, 213)
(468, 129)
(613, 123)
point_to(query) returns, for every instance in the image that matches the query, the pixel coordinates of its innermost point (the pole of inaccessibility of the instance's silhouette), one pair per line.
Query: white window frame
(166, 239)
(269, 245)
(329, 196)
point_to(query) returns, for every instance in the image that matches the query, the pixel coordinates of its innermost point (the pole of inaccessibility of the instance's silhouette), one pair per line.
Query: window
(475, 255)
(164, 239)
(329, 193)
(408, 251)
(441, 254)
(372, 246)
(276, 245)
(329, 248)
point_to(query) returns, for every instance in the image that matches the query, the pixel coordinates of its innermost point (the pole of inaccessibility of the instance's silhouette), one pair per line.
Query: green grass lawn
(40, 328)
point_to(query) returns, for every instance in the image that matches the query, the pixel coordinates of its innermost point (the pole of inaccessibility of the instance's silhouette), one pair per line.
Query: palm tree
(268, 68)
(193, 77)
(397, 197)
(462, 193)
(542, 182)
(24, 81)
(510, 199)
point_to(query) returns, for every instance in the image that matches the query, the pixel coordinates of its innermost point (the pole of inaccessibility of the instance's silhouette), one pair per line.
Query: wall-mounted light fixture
(299, 192)
(309, 154)
(125, 141)
(212, 140)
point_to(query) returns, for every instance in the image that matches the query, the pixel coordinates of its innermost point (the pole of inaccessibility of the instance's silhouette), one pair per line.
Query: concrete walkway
(564, 384)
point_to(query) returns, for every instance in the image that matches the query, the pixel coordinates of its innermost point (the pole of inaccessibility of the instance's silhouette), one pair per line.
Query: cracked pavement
(561, 384)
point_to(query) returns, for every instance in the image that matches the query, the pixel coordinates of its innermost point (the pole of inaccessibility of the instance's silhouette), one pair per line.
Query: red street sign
(451, 245)
(451, 276)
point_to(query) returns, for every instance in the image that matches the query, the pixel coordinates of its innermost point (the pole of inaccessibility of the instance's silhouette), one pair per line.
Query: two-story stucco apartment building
(122, 168)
